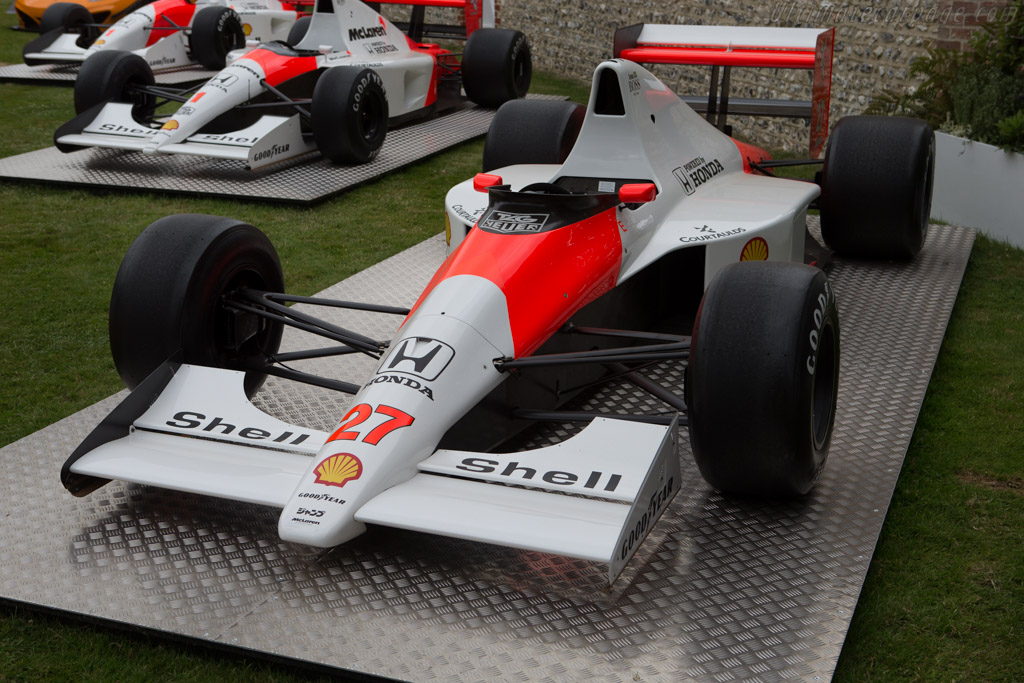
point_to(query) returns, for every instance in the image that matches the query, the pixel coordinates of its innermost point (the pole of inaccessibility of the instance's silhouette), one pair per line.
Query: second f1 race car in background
(606, 240)
(352, 74)
(165, 33)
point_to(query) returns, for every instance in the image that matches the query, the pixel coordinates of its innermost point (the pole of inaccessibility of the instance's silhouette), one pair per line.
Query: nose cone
(233, 86)
(130, 33)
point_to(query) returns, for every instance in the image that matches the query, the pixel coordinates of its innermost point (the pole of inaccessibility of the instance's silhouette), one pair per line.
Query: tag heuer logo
(503, 221)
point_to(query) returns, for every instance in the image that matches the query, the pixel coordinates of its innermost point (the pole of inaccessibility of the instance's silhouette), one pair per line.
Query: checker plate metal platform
(306, 179)
(65, 74)
(721, 590)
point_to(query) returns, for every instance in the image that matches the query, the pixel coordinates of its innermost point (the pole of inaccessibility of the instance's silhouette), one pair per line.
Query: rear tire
(532, 132)
(216, 31)
(876, 186)
(68, 17)
(496, 66)
(298, 30)
(762, 378)
(114, 75)
(350, 114)
(168, 291)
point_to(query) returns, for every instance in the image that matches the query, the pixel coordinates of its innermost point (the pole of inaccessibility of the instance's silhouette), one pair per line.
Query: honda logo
(420, 356)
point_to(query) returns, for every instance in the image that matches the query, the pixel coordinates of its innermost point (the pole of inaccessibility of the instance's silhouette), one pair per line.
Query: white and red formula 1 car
(352, 74)
(169, 33)
(635, 233)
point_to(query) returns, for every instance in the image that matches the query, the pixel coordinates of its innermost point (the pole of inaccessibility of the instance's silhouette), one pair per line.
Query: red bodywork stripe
(169, 13)
(545, 277)
(689, 55)
(750, 153)
(280, 68)
(440, 56)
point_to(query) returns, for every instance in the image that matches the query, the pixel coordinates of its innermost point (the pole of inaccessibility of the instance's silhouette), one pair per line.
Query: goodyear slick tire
(216, 31)
(876, 187)
(762, 378)
(496, 66)
(114, 75)
(68, 17)
(167, 297)
(298, 30)
(349, 114)
(532, 132)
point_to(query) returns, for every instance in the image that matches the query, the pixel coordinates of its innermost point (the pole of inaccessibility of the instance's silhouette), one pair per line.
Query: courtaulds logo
(338, 470)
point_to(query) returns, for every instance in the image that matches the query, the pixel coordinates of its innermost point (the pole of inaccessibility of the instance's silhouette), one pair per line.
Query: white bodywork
(659, 138)
(262, 20)
(395, 475)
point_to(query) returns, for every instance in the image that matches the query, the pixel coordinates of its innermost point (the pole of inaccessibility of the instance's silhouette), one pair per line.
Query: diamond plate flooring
(722, 590)
(305, 179)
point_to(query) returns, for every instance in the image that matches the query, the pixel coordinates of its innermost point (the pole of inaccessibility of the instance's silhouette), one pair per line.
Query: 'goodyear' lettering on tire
(825, 300)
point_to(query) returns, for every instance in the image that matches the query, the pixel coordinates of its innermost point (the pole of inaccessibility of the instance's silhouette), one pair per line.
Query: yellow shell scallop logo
(755, 250)
(170, 125)
(247, 29)
(338, 469)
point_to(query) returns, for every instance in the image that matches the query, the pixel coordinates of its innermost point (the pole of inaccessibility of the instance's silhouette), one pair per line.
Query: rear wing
(476, 14)
(743, 46)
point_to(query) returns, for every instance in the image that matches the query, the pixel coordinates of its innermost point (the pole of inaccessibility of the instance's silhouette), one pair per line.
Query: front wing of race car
(594, 496)
(268, 140)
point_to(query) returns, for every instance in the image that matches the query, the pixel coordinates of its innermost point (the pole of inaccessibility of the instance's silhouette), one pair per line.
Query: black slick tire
(298, 30)
(167, 298)
(115, 75)
(68, 17)
(876, 187)
(532, 132)
(349, 114)
(496, 66)
(762, 378)
(216, 31)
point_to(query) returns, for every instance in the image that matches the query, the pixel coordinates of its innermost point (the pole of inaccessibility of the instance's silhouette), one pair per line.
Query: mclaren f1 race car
(352, 74)
(616, 237)
(167, 33)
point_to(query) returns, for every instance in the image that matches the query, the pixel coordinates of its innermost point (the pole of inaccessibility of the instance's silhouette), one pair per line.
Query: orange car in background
(33, 14)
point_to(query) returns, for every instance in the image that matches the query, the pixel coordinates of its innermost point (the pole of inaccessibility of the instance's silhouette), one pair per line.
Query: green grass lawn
(944, 597)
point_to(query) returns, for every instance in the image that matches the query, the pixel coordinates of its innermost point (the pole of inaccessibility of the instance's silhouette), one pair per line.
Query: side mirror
(482, 181)
(637, 193)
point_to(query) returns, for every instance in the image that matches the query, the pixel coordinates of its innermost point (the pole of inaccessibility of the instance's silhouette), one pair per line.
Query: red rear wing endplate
(741, 46)
(476, 13)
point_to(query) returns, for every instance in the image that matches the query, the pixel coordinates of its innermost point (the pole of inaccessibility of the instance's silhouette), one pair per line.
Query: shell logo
(755, 250)
(338, 470)
(99, 42)
(170, 125)
(247, 29)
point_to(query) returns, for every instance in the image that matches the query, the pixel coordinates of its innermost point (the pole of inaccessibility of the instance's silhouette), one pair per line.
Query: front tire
(68, 17)
(762, 378)
(350, 114)
(496, 66)
(167, 298)
(876, 187)
(532, 132)
(216, 31)
(114, 75)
